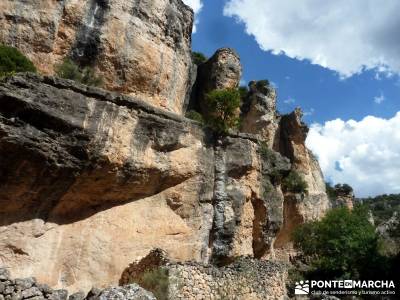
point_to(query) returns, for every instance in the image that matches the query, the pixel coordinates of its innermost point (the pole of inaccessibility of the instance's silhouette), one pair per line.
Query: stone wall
(246, 279)
(141, 48)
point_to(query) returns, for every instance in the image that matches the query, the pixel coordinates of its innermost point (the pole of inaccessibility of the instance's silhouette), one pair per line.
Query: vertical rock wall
(91, 180)
(140, 47)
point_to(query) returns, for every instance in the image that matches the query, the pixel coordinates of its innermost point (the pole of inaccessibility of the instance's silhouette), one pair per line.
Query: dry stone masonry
(243, 280)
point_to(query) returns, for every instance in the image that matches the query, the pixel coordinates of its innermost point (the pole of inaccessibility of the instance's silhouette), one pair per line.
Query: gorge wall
(141, 48)
(93, 180)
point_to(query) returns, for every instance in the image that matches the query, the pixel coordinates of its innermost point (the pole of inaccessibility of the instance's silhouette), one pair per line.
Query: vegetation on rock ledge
(198, 58)
(223, 110)
(295, 183)
(69, 70)
(13, 61)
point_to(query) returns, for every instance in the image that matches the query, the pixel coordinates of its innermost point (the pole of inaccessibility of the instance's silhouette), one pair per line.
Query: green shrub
(222, 110)
(69, 70)
(343, 189)
(294, 183)
(198, 58)
(156, 281)
(343, 245)
(13, 61)
(194, 115)
(89, 77)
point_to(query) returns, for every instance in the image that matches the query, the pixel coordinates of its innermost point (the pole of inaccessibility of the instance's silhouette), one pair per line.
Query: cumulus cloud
(364, 154)
(346, 36)
(196, 5)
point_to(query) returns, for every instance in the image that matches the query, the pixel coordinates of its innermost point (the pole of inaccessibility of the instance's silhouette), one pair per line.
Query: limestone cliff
(142, 48)
(93, 180)
(286, 134)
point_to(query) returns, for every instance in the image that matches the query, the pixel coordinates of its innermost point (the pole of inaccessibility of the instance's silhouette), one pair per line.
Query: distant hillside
(383, 206)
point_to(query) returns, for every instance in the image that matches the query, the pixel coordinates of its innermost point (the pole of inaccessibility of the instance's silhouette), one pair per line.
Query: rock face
(93, 180)
(286, 135)
(248, 206)
(259, 112)
(343, 197)
(142, 48)
(313, 204)
(222, 71)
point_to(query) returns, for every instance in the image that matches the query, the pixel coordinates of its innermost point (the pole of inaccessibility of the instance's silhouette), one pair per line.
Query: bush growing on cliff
(294, 183)
(198, 58)
(223, 110)
(194, 115)
(343, 245)
(13, 61)
(69, 70)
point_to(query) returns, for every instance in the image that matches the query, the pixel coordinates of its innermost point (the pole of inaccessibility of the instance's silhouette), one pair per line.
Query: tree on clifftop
(223, 110)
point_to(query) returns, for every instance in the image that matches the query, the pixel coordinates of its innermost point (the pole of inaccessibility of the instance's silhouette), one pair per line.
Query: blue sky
(312, 87)
(338, 60)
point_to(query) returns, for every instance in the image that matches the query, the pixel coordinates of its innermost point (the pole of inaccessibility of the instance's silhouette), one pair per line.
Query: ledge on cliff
(58, 137)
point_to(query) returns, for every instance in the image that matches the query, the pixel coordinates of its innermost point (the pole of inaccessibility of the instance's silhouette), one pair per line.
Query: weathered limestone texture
(222, 71)
(248, 204)
(141, 48)
(87, 173)
(293, 133)
(286, 134)
(259, 115)
(91, 180)
(343, 197)
(299, 208)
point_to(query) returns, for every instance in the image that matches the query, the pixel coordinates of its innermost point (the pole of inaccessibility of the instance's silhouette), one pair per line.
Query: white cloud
(364, 154)
(347, 36)
(289, 101)
(196, 5)
(379, 99)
